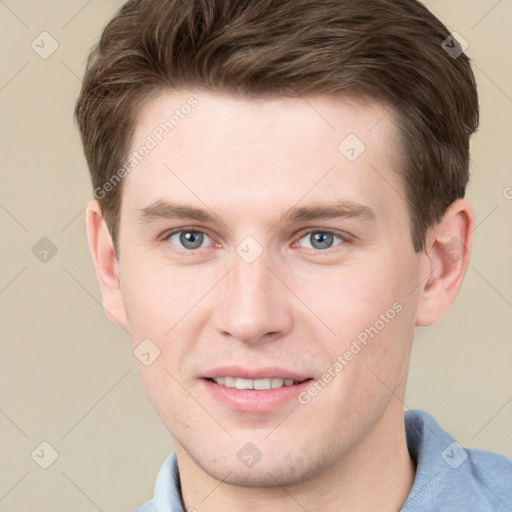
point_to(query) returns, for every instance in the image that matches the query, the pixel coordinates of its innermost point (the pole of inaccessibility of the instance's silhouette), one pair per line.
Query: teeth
(244, 384)
(228, 381)
(276, 383)
(258, 384)
(262, 384)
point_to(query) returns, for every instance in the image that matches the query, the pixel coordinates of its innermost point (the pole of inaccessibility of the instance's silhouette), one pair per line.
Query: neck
(377, 474)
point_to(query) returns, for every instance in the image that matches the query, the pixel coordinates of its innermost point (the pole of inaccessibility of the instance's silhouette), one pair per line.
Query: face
(265, 251)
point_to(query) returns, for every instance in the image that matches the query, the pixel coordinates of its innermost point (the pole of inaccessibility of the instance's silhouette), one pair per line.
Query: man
(279, 202)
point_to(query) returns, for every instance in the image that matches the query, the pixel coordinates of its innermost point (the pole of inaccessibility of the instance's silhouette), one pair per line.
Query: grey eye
(189, 240)
(320, 240)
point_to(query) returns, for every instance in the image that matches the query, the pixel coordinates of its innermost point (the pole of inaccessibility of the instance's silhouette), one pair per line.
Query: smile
(257, 384)
(254, 391)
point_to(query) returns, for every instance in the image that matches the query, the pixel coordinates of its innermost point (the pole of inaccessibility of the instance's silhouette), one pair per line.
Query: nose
(254, 304)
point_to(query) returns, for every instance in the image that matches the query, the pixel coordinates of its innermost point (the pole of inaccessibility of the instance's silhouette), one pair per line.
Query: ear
(447, 253)
(106, 264)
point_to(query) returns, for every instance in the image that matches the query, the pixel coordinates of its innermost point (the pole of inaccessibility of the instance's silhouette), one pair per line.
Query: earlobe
(447, 252)
(106, 264)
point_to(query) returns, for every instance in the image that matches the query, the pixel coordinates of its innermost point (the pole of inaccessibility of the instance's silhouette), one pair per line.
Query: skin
(248, 162)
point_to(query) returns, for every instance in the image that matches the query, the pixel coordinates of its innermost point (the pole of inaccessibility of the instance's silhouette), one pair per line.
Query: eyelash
(345, 238)
(179, 250)
(342, 236)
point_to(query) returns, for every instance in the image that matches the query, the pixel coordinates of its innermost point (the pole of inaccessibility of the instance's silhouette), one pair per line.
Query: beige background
(68, 376)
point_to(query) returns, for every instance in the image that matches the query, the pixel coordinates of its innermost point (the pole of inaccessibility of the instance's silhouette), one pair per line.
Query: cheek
(159, 297)
(163, 304)
(349, 299)
(372, 346)
(371, 311)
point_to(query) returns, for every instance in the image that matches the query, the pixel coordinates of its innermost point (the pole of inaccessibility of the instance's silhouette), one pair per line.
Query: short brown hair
(388, 50)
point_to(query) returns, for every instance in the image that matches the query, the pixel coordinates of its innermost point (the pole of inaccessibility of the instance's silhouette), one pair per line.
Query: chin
(271, 470)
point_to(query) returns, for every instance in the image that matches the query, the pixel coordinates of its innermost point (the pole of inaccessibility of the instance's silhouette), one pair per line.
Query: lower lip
(258, 401)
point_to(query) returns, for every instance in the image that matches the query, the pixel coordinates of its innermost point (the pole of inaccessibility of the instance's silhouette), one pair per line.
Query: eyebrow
(162, 209)
(345, 209)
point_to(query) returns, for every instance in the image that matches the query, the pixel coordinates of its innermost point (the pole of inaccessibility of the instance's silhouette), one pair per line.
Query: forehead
(239, 153)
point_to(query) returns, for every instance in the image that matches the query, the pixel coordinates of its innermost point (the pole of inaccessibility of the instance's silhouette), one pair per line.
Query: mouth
(255, 391)
(257, 384)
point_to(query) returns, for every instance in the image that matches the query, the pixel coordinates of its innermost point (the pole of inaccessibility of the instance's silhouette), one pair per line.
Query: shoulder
(491, 471)
(450, 477)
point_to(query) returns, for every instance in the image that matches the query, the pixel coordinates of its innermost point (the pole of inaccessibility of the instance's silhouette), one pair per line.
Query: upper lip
(267, 372)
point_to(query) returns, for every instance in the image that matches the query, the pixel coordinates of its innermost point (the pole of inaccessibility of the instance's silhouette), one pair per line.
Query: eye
(189, 239)
(320, 240)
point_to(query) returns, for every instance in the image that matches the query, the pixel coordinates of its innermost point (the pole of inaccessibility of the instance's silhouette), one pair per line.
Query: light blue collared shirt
(448, 477)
